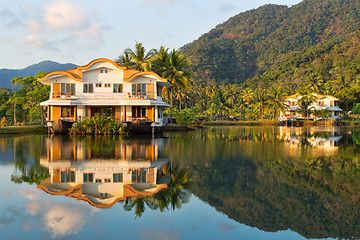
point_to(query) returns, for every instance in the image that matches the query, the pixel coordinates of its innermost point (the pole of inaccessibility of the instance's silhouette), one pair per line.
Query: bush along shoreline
(99, 125)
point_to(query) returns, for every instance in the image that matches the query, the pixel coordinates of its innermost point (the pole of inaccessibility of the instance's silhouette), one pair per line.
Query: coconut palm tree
(276, 101)
(261, 101)
(304, 102)
(175, 68)
(137, 59)
(220, 103)
(314, 82)
(125, 60)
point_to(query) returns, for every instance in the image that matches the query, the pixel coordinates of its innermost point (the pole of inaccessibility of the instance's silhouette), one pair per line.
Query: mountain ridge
(251, 42)
(47, 66)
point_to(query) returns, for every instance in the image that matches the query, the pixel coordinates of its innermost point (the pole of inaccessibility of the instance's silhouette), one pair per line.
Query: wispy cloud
(31, 193)
(226, 227)
(146, 3)
(36, 41)
(225, 7)
(161, 234)
(9, 17)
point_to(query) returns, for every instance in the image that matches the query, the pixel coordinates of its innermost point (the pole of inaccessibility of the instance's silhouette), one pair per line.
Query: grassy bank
(34, 129)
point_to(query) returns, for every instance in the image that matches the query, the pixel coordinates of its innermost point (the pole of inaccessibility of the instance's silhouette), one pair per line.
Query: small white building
(102, 86)
(322, 102)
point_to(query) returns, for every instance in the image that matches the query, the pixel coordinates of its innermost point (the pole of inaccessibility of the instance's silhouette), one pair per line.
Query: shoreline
(38, 129)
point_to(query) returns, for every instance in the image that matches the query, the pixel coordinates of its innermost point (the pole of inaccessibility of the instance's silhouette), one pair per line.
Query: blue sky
(79, 31)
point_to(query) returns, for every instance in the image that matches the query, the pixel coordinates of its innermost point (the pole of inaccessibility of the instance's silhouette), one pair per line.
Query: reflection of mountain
(250, 175)
(104, 172)
(272, 199)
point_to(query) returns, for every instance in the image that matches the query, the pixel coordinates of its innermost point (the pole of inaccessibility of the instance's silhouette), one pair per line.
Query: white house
(102, 86)
(322, 102)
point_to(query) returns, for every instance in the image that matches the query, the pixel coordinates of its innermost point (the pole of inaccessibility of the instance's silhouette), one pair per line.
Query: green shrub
(99, 125)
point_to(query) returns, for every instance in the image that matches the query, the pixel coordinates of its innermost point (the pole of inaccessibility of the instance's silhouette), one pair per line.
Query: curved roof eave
(139, 73)
(85, 67)
(46, 77)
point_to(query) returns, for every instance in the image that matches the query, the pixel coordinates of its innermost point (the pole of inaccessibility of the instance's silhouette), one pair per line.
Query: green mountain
(253, 42)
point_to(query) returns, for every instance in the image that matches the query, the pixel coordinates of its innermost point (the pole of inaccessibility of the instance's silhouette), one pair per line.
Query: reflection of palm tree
(177, 189)
(174, 196)
(139, 204)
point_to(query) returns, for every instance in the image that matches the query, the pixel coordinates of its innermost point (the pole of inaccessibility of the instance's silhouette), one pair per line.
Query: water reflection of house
(324, 141)
(101, 181)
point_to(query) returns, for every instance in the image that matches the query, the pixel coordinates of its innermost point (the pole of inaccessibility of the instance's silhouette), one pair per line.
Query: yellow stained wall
(150, 90)
(56, 87)
(150, 113)
(55, 113)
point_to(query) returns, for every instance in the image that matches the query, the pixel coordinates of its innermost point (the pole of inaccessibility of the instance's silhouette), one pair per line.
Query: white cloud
(61, 219)
(36, 41)
(31, 193)
(62, 19)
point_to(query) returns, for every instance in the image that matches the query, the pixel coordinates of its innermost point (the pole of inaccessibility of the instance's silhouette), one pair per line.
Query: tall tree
(276, 101)
(176, 69)
(137, 59)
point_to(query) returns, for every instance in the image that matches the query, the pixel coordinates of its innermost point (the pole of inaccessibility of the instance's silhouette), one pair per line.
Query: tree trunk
(42, 115)
(171, 103)
(15, 114)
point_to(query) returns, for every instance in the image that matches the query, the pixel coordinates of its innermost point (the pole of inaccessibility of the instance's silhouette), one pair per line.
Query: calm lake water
(213, 183)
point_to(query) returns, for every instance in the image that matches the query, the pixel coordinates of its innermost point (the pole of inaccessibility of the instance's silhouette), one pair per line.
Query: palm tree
(125, 60)
(175, 68)
(276, 101)
(247, 95)
(220, 103)
(306, 99)
(261, 101)
(137, 59)
(314, 82)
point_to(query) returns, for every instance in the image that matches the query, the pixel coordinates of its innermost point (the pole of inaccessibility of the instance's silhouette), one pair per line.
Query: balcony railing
(123, 96)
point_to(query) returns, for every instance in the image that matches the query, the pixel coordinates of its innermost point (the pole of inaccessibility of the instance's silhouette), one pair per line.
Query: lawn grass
(33, 129)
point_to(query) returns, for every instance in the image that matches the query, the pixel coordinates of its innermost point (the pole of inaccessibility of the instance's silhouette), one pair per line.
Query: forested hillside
(252, 42)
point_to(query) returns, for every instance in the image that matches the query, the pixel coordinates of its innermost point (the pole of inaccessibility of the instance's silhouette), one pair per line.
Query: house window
(118, 88)
(67, 112)
(117, 177)
(105, 70)
(107, 180)
(67, 89)
(138, 89)
(88, 88)
(98, 180)
(139, 175)
(138, 112)
(107, 85)
(88, 177)
(321, 103)
(67, 176)
(98, 85)
(101, 71)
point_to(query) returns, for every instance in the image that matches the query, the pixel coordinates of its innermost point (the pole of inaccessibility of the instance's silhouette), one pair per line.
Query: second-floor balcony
(103, 95)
